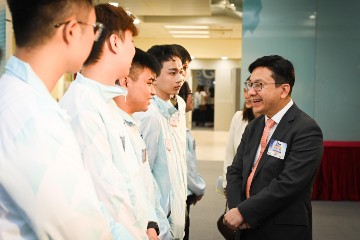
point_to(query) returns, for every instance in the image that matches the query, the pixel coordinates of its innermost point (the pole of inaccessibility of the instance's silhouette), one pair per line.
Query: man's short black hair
(143, 60)
(163, 53)
(185, 55)
(281, 68)
(33, 20)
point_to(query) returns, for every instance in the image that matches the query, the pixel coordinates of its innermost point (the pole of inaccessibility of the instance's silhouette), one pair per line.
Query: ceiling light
(191, 36)
(189, 32)
(136, 21)
(224, 58)
(312, 16)
(187, 27)
(114, 4)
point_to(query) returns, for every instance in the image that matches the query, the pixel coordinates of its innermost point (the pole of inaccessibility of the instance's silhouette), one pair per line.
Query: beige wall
(200, 48)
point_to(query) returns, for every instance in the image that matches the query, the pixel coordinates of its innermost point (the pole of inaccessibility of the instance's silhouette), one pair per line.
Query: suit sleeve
(304, 152)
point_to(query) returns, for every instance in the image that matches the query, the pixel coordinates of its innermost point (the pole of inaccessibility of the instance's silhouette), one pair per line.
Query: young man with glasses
(269, 183)
(96, 122)
(45, 191)
(165, 138)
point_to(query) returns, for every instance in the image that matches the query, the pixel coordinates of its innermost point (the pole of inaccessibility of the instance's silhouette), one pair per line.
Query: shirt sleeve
(110, 184)
(44, 184)
(196, 183)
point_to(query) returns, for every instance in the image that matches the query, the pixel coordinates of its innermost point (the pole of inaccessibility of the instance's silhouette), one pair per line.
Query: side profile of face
(170, 79)
(269, 100)
(248, 102)
(140, 91)
(126, 54)
(81, 46)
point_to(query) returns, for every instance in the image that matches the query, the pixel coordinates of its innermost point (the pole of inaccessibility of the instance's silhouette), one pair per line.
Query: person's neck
(101, 72)
(280, 106)
(256, 114)
(164, 96)
(123, 105)
(48, 67)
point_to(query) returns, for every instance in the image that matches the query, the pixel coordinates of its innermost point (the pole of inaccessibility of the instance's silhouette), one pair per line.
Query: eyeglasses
(257, 86)
(98, 27)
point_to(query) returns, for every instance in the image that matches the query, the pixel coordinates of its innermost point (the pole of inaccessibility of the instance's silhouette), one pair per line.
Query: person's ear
(123, 82)
(285, 90)
(114, 42)
(70, 31)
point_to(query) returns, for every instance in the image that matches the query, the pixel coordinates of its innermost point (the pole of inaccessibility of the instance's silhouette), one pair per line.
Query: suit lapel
(281, 130)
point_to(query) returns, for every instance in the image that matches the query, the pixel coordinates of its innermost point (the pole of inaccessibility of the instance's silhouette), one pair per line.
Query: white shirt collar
(277, 117)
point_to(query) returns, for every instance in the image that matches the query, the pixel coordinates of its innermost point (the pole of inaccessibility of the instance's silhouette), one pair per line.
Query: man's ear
(70, 31)
(123, 82)
(285, 90)
(114, 42)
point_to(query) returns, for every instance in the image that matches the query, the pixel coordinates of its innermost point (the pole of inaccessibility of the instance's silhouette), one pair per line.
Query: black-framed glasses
(98, 27)
(257, 86)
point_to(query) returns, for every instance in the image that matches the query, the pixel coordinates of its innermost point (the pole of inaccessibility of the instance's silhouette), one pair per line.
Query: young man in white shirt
(95, 119)
(139, 85)
(163, 130)
(45, 191)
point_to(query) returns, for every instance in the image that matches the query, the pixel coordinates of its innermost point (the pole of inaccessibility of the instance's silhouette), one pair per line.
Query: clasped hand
(234, 220)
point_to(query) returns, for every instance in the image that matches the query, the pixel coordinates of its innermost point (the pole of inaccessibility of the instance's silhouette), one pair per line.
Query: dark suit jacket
(279, 206)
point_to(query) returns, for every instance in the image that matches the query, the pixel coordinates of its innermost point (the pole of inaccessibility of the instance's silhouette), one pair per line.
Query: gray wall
(324, 50)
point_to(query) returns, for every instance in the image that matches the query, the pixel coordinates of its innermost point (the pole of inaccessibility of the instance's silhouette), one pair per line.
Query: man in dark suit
(270, 180)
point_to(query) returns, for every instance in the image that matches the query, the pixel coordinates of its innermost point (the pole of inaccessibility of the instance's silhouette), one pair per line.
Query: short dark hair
(281, 68)
(33, 20)
(185, 55)
(116, 21)
(163, 53)
(143, 60)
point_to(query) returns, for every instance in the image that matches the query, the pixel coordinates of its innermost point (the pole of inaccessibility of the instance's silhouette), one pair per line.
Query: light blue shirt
(196, 184)
(45, 191)
(150, 186)
(96, 121)
(160, 128)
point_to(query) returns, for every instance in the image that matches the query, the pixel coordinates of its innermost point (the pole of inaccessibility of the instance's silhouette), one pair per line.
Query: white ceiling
(223, 19)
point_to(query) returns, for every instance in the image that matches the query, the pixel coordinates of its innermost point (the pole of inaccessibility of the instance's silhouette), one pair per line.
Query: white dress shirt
(161, 130)
(101, 132)
(150, 186)
(45, 191)
(277, 118)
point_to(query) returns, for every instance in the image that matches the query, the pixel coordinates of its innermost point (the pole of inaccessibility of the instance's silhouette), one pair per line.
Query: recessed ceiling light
(189, 32)
(224, 58)
(191, 36)
(186, 27)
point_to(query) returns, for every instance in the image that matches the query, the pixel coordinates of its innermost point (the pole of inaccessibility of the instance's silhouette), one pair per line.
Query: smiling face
(140, 91)
(271, 98)
(170, 79)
